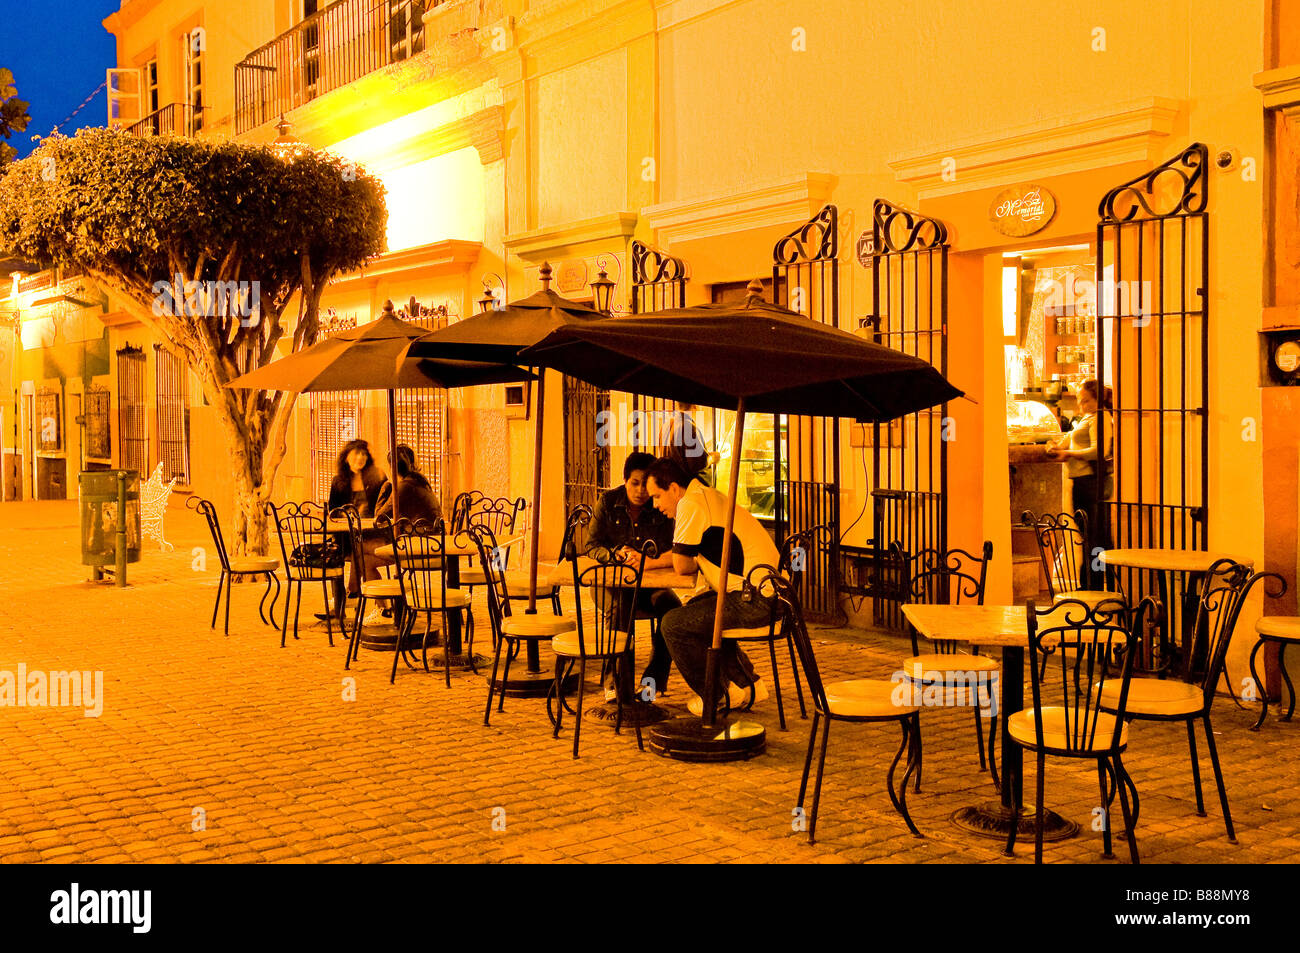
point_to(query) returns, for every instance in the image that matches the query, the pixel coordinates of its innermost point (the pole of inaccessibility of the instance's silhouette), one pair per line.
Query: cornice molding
(1281, 89)
(1135, 131)
(540, 241)
(780, 202)
(448, 257)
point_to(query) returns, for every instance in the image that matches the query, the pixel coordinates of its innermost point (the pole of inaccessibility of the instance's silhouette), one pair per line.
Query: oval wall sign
(1022, 210)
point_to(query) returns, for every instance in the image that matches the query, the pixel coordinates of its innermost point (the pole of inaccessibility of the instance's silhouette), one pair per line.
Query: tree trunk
(249, 530)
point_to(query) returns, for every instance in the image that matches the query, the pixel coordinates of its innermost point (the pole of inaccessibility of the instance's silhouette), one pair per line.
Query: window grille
(131, 420)
(173, 416)
(98, 439)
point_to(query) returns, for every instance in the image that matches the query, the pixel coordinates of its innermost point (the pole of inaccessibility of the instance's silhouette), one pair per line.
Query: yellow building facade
(510, 132)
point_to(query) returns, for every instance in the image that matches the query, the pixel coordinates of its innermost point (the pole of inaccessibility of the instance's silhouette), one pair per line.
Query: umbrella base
(994, 821)
(686, 739)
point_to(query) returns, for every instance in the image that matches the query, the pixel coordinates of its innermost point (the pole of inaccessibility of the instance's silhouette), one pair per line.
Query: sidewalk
(233, 749)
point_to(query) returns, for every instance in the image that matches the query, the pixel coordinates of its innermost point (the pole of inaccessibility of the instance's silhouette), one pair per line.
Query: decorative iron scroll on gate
(909, 294)
(1153, 292)
(806, 278)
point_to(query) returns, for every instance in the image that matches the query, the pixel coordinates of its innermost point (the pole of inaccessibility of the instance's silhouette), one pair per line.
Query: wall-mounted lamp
(494, 293)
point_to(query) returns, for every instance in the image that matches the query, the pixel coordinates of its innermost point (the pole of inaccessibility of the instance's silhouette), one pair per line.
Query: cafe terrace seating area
(295, 756)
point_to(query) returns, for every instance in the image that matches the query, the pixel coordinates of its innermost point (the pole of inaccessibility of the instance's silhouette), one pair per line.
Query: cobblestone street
(259, 743)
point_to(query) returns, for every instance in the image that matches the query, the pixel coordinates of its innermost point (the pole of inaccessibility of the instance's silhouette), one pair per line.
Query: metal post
(715, 649)
(120, 555)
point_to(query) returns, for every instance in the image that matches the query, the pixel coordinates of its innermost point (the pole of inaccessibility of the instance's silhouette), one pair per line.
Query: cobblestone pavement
(257, 747)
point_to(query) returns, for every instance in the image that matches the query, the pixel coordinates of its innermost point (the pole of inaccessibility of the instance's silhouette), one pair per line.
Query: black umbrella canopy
(500, 334)
(777, 360)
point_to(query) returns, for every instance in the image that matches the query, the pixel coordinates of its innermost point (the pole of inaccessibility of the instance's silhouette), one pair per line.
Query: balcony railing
(328, 50)
(178, 119)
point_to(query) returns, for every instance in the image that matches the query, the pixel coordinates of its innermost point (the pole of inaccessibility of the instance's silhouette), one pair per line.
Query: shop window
(49, 421)
(98, 439)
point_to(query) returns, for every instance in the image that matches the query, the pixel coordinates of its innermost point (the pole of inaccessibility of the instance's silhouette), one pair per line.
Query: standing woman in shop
(1078, 450)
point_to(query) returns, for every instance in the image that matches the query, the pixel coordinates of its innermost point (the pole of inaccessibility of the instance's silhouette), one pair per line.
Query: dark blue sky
(58, 52)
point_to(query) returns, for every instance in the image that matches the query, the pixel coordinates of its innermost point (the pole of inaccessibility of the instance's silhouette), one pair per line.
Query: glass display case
(756, 485)
(1031, 421)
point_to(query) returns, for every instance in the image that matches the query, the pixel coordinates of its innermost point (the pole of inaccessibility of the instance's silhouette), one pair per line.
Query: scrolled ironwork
(650, 265)
(1141, 194)
(817, 239)
(897, 229)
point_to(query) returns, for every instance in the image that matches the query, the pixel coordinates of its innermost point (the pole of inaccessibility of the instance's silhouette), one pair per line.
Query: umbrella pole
(392, 449)
(714, 658)
(538, 433)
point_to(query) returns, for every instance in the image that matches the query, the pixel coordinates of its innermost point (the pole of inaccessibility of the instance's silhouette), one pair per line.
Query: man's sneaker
(740, 696)
(611, 694)
(373, 617)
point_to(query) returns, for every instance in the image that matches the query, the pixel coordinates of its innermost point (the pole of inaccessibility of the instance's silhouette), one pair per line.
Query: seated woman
(359, 482)
(415, 501)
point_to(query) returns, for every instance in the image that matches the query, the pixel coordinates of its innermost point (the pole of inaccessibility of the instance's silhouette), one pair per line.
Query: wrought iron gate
(173, 414)
(806, 278)
(421, 412)
(658, 282)
(909, 295)
(1153, 277)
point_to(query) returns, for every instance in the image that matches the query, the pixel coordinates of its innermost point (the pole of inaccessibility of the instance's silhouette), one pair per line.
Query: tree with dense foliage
(208, 243)
(13, 115)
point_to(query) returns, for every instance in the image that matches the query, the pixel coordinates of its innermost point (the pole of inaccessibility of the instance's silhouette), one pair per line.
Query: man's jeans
(688, 631)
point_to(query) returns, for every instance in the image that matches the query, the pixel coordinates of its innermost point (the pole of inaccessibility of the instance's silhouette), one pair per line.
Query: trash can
(110, 520)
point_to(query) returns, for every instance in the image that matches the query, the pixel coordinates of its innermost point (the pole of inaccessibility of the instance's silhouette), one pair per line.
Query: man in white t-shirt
(700, 516)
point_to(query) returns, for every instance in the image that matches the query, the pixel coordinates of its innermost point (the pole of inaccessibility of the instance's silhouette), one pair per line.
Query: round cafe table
(1006, 627)
(1188, 565)
(635, 709)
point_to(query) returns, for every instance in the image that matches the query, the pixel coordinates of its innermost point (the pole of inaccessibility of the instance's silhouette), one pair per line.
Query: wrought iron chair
(795, 553)
(388, 588)
(952, 578)
(498, 515)
(309, 556)
(604, 634)
(1281, 631)
(1103, 644)
(240, 566)
(1224, 590)
(509, 632)
(859, 701)
(419, 548)
(460, 508)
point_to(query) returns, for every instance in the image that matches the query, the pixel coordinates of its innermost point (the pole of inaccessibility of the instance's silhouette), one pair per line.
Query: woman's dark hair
(665, 472)
(1093, 387)
(344, 475)
(637, 460)
(405, 466)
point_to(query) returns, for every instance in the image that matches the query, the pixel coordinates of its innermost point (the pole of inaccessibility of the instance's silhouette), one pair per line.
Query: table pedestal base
(686, 739)
(634, 713)
(994, 821)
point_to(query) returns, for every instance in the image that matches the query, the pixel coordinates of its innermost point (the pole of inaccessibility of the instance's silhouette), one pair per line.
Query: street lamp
(286, 145)
(602, 291)
(494, 293)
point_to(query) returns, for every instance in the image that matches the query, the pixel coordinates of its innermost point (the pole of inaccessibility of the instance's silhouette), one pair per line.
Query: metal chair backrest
(460, 508)
(1097, 643)
(498, 514)
(769, 581)
(613, 585)
(214, 527)
(955, 577)
(1063, 549)
(799, 550)
(348, 513)
(1224, 590)
(494, 572)
(419, 548)
(579, 515)
(301, 528)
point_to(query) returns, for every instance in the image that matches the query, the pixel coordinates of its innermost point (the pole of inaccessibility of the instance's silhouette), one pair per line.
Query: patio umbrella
(500, 335)
(751, 356)
(368, 358)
